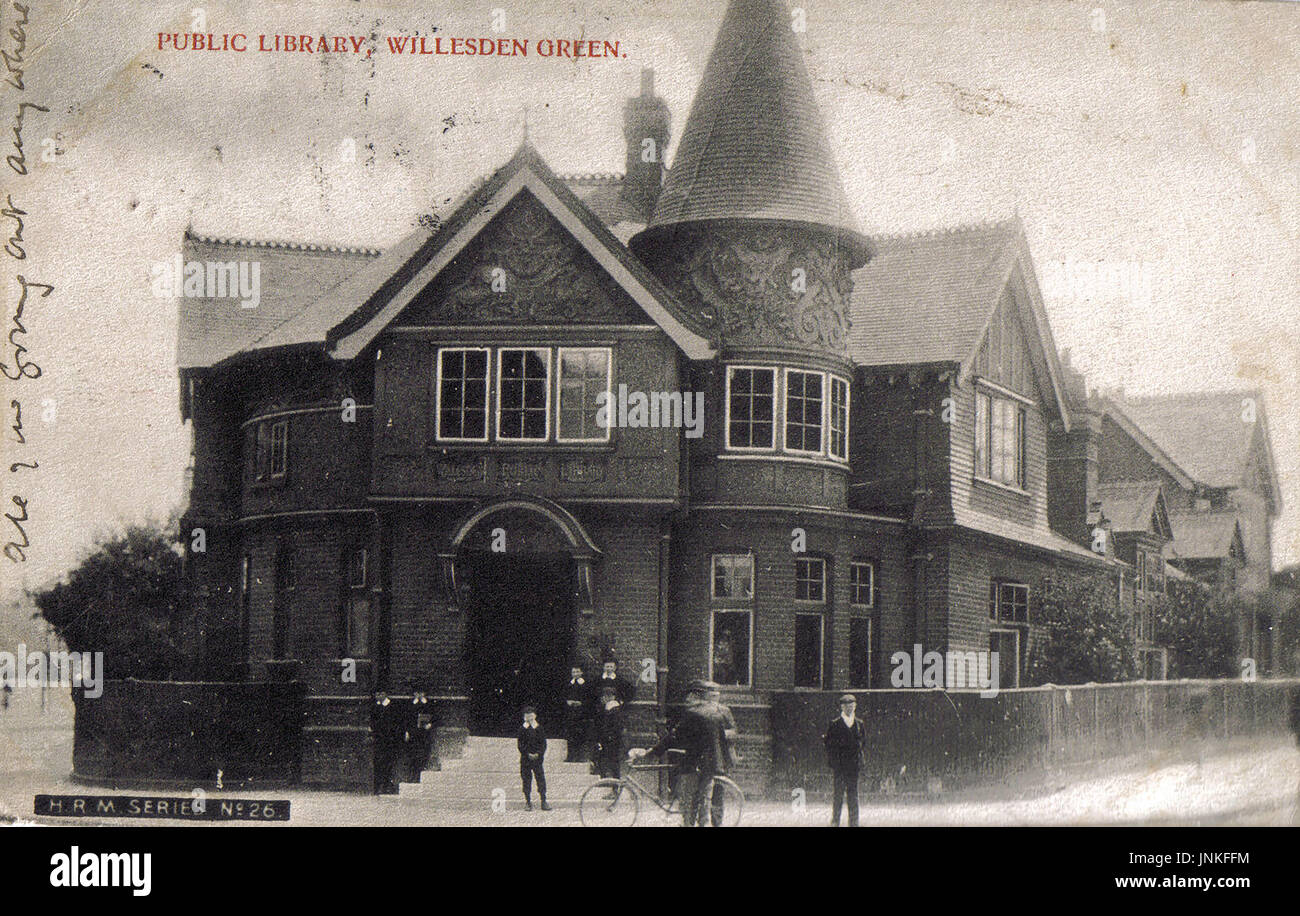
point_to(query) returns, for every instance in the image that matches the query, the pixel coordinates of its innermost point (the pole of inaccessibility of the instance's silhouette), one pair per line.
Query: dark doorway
(519, 637)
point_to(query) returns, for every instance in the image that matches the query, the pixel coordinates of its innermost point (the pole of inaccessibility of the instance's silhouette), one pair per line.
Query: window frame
(550, 382)
(748, 611)
(832, 381)
(996, 601)
(281, 427)
(559, 393)
(713, 576)
(821, 650)
(775, 372)
(854, 565)
(870, 659)
(823, 437)
(487, 393)
(987, 401)
(825, 577)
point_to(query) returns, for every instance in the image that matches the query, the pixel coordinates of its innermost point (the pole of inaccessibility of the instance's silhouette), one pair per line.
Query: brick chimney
(646, 126)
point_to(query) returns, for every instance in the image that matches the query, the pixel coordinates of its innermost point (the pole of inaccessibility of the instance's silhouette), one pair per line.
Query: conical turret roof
(754, 146)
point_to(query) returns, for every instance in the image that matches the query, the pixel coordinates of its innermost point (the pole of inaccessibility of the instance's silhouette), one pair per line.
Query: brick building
(405, 480)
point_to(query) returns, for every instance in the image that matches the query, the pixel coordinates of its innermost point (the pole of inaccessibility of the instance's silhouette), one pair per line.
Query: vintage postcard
(728, 413)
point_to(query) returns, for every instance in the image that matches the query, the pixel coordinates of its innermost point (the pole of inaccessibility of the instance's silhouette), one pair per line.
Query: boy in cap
(844, 740)
(609, 732)
(532, 753)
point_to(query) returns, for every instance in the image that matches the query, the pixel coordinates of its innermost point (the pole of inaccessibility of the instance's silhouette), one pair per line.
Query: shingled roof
(1206, 433)
(292, 276)
(1205, 535)
(754, 146)
(1131, 507)
(926, 298)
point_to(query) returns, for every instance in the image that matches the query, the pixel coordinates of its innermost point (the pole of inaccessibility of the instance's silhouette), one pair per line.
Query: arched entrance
(521, 572)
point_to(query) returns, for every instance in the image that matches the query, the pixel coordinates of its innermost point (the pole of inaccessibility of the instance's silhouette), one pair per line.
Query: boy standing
(532, 753)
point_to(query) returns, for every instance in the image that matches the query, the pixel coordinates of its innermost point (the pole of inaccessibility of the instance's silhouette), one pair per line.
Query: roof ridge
(1205, 392)
(592, 176)
(1006, 222)
(271, 243)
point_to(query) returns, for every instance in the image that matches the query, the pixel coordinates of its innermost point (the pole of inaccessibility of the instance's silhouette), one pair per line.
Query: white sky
(1165, 145)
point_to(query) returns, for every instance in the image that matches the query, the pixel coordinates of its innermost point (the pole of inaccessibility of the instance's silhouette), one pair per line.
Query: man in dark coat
(844, 739)
(531, 741)
(577, 714)
(703, 735)
(609, 732)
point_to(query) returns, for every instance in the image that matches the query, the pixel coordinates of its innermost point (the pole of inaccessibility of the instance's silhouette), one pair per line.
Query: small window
(733, 576)
(839, 419)
(1000, 440)
(357, 562)
(279, 448)
(1009, 602)
(860, 652)
(524, 395)
(751, 408)
(810, 579)
(284, 586)
(805, 403)
(584, 377)
(730, 656)
(862, 584)
(462, 395)
(808, 632)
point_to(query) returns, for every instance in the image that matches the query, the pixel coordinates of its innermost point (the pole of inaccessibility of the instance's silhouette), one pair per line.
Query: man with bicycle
(703, 735)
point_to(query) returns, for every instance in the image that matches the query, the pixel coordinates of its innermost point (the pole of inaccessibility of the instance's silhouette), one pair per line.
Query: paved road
(1249, 784)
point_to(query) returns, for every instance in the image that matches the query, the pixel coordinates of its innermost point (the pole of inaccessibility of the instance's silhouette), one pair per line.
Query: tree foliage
(122, 600)
(1199, 627)
(1089, 637)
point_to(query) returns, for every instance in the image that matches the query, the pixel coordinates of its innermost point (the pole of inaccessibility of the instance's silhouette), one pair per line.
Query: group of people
(701, 744)
(595, 716)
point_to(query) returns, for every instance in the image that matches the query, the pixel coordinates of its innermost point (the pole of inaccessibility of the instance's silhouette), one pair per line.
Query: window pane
(862, 584)
(279, 448)
(860, 652)
(584, 375)
(803, 411)
(810, 579)
(733, 576)
(982, 435)
(462, 394)
(839, 433)
(731, 648)
(807, 650)
(751, 408)
(525, 393)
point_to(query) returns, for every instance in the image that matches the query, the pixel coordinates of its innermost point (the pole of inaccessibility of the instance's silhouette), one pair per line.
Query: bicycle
(617, 802)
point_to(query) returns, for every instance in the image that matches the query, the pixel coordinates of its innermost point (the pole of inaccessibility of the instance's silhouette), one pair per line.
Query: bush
(1199, 627)
(1089, 637)
(123, 600)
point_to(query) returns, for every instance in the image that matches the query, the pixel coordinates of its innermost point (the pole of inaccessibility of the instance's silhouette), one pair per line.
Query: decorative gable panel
(523, 268)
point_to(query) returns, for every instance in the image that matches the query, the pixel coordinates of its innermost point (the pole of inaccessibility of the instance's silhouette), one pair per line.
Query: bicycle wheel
(732, 803)
(608, 803)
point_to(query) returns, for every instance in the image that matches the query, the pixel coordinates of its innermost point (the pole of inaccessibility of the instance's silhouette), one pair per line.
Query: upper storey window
(999, 439)
(524, 395)
(272, 450)
(805, 408)
(527, 402)
(463, 394)
(812, 409)
(584, 377)
(751, 408)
